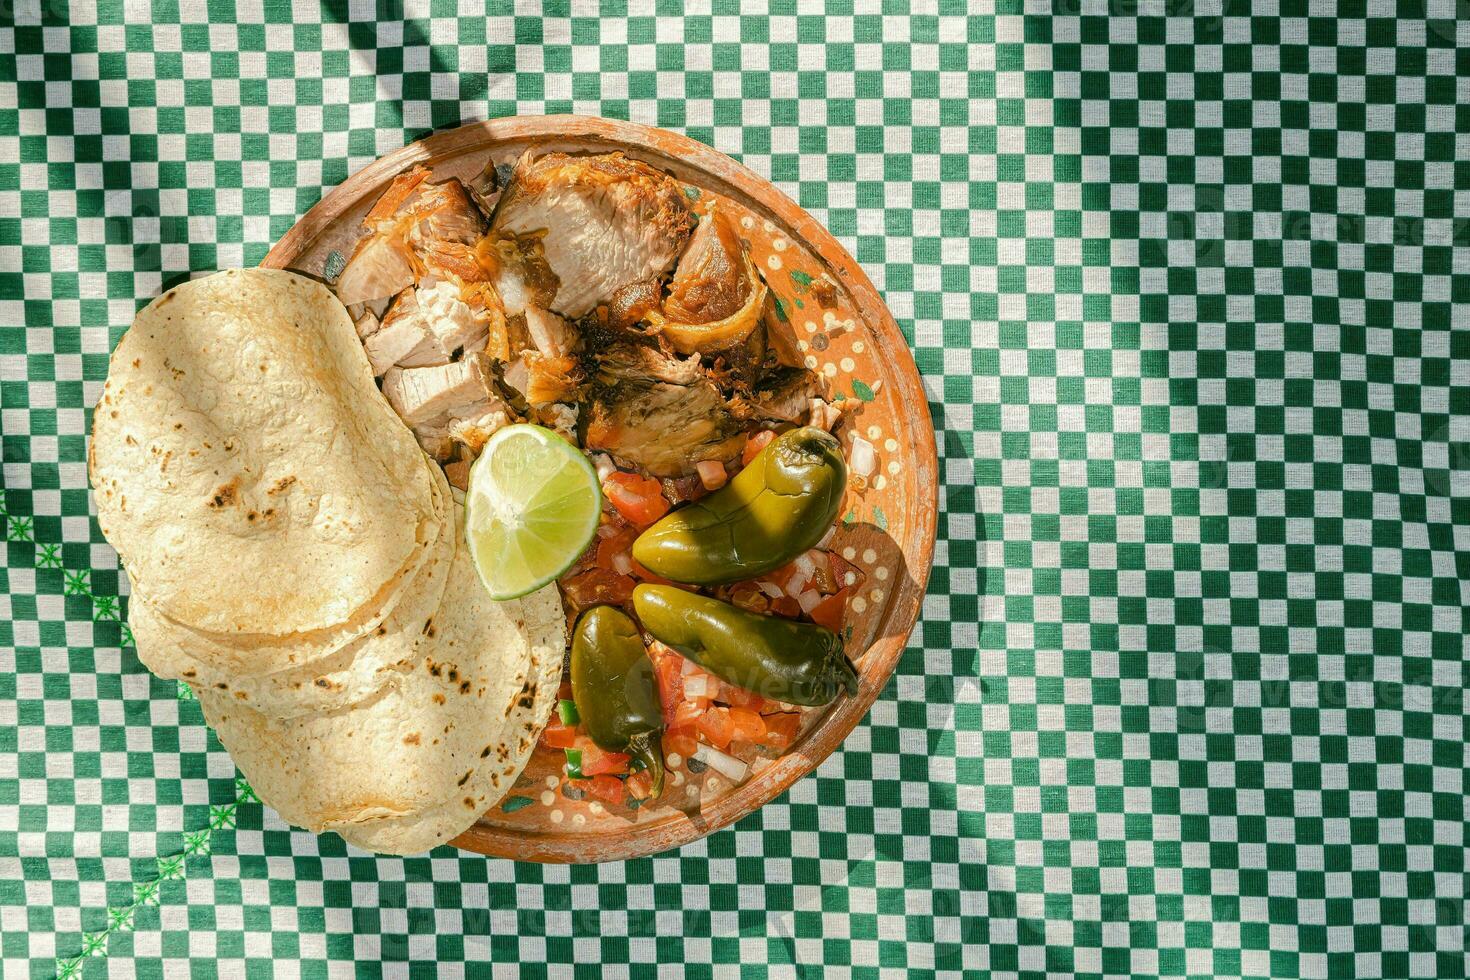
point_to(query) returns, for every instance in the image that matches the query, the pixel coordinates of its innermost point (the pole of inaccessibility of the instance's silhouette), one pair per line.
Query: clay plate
(845, 333)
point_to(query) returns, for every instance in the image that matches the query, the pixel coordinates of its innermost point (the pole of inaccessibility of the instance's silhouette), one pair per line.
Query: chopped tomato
(597, 762)
(781, 577)
(824, 575)
(746, 725)
(841, 569)
(637, 498)
(679, 742)
(686, 715)
(609, 789)
(781, 729)
(739, 697)
(754, 445)
(829, 611)
(748, 596)
(786, 606)
(640, 785)
(597, 586)
(613, 553)
(670, 684)
(716, 727)
(559, 736)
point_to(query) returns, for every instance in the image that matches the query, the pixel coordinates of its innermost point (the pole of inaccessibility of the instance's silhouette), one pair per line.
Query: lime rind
(532, 507)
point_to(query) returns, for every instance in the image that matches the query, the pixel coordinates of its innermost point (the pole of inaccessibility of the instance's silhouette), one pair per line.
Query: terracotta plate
(840, 327)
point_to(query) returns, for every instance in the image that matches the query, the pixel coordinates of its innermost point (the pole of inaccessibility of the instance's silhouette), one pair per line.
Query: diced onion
(771, 589)
(607, 530)
(696, 686)
(862, 459)
(711, 473)
(623, 562)
(809, 600)
(603, 463)
(827, 538)
(688, 668)
(726, 765)
(803, 574)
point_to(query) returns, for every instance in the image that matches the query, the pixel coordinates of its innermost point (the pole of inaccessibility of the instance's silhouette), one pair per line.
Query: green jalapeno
(800, 663)
(777, 507)
(615, 689)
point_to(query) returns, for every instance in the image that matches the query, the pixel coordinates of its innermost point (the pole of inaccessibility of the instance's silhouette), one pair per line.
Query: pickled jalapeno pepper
(615, 689)
(777, 507)
(800, 663)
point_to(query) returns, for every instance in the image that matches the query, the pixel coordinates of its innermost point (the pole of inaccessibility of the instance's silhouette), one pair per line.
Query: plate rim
(906, 603)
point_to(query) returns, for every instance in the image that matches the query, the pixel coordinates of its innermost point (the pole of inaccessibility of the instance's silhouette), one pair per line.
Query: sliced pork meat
(422, 394)
(424, 327)
(824, 415)
(711, 281)
(645, 362)
(550, 334)
(561, 419)
(550, 379)
(380, 267)
(485, 188)
(786, 395)
(367, 324)
(607, 221)
(444, 212)
(665, 428)
(715, 298)
(517, 266)
(632, 303)
(406, 228)
(474, 431)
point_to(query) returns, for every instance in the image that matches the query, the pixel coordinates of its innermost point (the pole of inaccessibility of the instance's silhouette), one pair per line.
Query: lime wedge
(532, 507)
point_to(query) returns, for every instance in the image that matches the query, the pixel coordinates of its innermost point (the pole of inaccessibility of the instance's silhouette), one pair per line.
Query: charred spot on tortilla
(438, 699)
(469, 803)
(465, 778)
(485, 751)
(428, 627)
(225, 494)
(464, 687)
(411, 739)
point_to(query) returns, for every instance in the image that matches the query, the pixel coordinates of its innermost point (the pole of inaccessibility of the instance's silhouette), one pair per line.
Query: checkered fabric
(1189, 284)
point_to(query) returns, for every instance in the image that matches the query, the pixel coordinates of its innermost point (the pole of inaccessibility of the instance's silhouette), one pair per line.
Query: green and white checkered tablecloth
(1189, 284)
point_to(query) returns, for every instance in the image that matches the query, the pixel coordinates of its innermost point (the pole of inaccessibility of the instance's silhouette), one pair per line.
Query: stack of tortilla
(298, 561)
